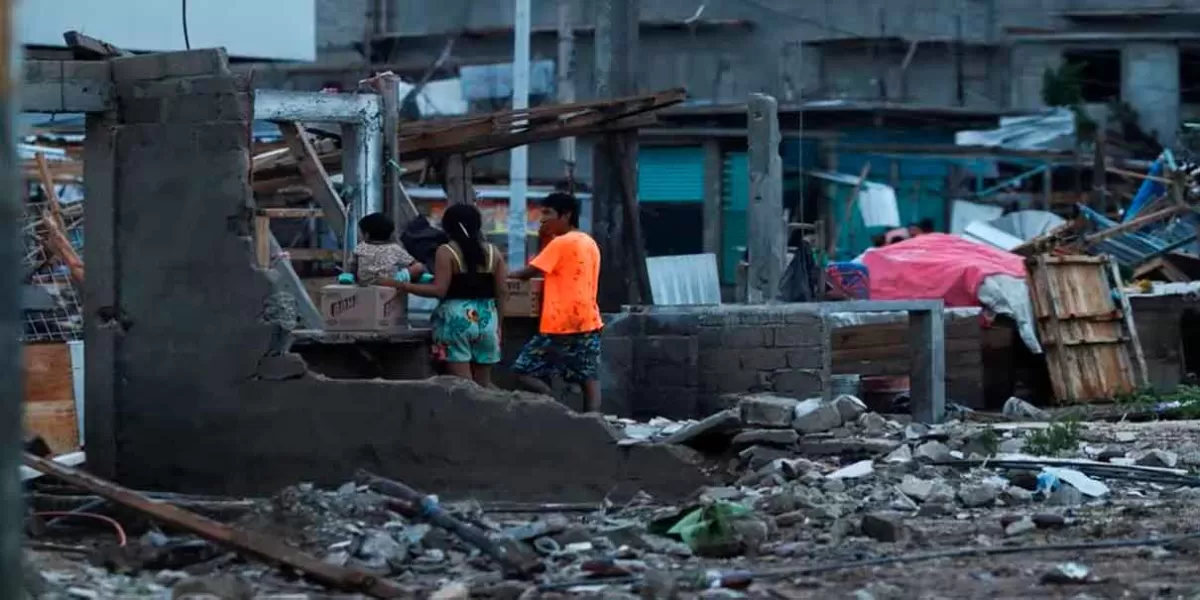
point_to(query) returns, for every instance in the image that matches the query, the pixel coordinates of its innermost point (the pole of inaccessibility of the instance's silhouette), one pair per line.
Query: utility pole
(616, 224)
(518, 184)
(767, 230)
(566, 83)
(960, 91)
(11, 573)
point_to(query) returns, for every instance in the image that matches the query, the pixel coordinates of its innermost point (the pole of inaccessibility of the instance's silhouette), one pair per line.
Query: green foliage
(1063, 86)
(1054, 440)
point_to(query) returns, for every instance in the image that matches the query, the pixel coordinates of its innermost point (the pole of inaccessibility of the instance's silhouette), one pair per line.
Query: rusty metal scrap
(257, 545)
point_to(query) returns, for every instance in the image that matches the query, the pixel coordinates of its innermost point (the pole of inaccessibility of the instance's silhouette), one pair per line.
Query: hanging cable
(187, 40)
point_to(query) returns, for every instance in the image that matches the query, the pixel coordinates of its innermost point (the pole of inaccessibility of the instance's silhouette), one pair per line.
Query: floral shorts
(466, 331)
(574, 357)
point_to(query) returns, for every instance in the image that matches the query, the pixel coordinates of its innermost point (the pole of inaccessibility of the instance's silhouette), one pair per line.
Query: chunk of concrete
(885, 527)
(720, 425)
(861, 468)
(849, 407)
(772, 437)
(767, 410)
(815, 416)
(932, 451)
(916, 488)
(1158, 458)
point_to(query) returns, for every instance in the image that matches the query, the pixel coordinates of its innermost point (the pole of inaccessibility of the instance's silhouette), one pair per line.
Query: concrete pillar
(767, 230)
(1150, 84)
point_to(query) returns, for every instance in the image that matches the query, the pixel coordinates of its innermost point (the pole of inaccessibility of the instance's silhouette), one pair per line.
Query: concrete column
(1150, 84)
(767, 234)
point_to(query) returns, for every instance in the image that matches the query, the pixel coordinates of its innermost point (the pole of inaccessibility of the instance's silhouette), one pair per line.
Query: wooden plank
(316, 178)
(66, 86)
(1135, 342)
(253, 544)
(291, 213)
(262, 241)
(55, 239)
(314, 254)
(50, 395)
(1047, 299)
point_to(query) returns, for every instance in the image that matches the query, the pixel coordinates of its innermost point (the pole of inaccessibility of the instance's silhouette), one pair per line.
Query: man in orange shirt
(568, 340)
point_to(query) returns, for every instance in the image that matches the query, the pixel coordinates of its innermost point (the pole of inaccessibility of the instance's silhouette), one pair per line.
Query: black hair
(563, 203)
(464, 226)
(377, 227)
(926, 225)
(878, 240)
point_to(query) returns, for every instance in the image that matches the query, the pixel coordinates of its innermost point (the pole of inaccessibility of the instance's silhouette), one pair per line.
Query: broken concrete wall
(192, 398)
(681, 362)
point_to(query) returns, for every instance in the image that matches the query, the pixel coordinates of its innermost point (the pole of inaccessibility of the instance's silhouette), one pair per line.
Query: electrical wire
(122, 539)
(187, 40)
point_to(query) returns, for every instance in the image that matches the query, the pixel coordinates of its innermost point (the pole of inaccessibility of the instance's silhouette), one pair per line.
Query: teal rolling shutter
(735, 197)
(674, 174)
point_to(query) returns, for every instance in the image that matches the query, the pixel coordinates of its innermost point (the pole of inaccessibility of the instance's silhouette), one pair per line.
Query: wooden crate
(50, 396)
(1086, 328)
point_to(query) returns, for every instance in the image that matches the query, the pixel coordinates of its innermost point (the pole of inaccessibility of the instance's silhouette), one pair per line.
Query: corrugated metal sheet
(673, 174)
(684, 280)
(1136, 247)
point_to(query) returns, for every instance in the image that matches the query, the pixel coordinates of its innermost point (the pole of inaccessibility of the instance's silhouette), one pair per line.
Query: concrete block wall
(683, 362)
(185, 392)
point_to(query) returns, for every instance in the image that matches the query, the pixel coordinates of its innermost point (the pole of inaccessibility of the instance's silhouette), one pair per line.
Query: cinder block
(198, 108)
(189, 63)
(799, 383)
(793, 336)
(746, 337)
(760, 316)
(142, 110)
(672, 402)
(212, 138)
(763, 359)
(678, 350)
(810, 319)
(669, 375)
(806, 358)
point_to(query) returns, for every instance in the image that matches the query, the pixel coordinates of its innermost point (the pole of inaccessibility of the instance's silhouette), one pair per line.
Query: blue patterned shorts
(465, 331)
(574, 357)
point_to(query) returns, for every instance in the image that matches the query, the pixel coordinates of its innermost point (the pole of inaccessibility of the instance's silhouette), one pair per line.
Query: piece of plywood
(1082, 324)
(50, 396)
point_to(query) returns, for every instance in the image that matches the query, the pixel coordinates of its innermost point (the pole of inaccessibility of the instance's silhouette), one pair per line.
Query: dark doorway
(1189, 343)
(671, 229)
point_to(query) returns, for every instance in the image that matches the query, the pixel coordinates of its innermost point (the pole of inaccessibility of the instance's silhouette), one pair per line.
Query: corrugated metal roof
(1134, 248)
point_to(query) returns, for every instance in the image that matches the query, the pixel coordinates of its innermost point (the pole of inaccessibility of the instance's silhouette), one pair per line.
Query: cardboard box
(524, 298)
(364, 308)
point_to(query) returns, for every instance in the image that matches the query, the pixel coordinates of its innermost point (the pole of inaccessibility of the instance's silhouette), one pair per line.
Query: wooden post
(616, 224)
(1048, 185)
(11, 509)
(767, 235)
(1099, 173)
(389, 94)
(262, 241)
(456, 180)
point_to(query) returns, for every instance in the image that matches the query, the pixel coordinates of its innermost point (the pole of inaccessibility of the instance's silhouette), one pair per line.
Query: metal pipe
(11, 572)
(519, 156)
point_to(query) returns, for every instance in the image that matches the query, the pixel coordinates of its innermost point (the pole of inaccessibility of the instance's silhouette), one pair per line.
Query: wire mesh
(62, 320)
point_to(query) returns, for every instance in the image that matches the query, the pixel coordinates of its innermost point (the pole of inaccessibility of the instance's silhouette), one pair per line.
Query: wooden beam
(255, 545)
(316, 178)
(66, 86)
(262, 241)
(457, 180)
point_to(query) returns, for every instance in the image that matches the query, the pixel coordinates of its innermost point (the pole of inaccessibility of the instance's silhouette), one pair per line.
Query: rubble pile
(808, 482)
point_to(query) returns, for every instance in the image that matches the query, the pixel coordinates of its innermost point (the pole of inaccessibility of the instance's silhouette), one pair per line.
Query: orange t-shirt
(571, 263)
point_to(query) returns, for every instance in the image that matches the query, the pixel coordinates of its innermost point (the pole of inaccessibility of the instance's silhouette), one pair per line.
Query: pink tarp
(936, 265)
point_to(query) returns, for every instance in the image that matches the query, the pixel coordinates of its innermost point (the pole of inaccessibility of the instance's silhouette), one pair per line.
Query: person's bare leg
(591, 395)
(458, 369)
(535, 385)
(482, 374)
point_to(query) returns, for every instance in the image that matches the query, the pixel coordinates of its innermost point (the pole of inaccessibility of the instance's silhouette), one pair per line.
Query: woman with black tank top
(469, 278)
